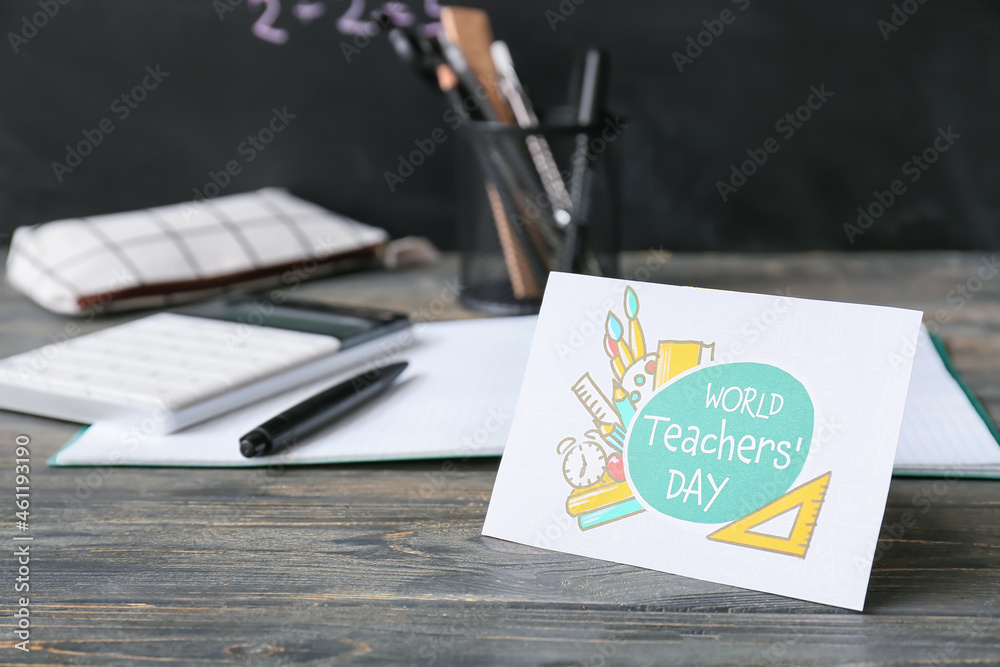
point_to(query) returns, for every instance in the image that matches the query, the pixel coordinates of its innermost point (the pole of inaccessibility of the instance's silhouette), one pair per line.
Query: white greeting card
(738, 438)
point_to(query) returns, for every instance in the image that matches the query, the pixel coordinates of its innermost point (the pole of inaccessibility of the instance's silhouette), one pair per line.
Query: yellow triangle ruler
(805, 499)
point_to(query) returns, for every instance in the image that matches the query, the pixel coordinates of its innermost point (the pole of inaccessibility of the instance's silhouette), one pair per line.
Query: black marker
(590, 104)
(317, 412)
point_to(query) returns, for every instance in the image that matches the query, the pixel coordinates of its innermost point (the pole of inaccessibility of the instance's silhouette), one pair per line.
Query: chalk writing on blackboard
(355, 19)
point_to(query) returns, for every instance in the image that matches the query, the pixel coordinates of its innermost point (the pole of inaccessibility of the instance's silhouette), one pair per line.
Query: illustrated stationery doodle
(757, 420)
(738, 438)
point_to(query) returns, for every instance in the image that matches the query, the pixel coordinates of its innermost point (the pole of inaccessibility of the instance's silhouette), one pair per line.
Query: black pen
(591, 100)
(318, 412)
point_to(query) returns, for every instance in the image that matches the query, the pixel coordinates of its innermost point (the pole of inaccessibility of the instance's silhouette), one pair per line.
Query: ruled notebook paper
(942, 432)
(454, 400)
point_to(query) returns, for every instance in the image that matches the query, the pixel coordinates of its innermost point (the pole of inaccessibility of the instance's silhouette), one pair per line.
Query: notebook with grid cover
(173, 254)
(170, 370)
(162, 368)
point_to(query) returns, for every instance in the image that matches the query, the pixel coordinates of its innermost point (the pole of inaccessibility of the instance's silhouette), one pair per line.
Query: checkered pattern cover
(178, 253)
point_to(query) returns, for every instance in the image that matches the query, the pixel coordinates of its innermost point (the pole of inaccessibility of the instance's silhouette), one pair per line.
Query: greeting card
(737, 438)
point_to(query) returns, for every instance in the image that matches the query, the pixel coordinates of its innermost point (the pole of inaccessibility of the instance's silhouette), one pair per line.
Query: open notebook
(457, 397)
(945, 431)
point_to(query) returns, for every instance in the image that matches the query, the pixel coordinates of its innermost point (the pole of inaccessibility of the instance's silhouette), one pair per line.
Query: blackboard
(164, 96)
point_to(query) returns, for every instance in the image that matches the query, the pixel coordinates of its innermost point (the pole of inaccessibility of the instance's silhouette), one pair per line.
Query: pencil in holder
(531, 201)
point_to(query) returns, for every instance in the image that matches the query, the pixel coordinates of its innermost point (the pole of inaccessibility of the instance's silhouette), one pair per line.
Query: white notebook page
(941, 428)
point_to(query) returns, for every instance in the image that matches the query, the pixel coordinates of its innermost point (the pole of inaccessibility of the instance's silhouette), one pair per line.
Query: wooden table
(384, 563)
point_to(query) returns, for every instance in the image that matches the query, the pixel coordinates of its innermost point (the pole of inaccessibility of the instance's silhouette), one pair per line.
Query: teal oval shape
(720, 442)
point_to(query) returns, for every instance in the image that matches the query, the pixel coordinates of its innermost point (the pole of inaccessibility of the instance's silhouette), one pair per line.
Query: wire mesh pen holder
(531, 201)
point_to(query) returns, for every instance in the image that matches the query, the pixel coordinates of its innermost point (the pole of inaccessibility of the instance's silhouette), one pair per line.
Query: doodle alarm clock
(584, 463)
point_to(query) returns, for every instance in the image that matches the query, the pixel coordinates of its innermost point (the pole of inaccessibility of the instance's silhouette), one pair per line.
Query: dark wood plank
(384, 563)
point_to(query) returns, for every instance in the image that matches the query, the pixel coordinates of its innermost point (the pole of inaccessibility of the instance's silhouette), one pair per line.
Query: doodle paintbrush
(611, 348)
(636, 340)
(616, 332)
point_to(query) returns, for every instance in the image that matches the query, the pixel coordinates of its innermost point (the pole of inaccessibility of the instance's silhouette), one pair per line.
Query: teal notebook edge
(980, 408)
(53, 460)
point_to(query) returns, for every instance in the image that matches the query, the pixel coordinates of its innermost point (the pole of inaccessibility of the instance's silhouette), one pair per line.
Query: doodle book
(737, 438)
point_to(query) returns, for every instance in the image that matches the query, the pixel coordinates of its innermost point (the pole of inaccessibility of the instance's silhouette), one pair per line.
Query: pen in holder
(531, 201)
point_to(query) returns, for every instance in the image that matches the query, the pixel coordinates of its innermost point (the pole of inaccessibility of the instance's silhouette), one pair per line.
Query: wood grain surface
(384, 564)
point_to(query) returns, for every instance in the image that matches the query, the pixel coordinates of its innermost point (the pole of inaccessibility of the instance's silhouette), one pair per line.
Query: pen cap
(593, 95)
(255, 443)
